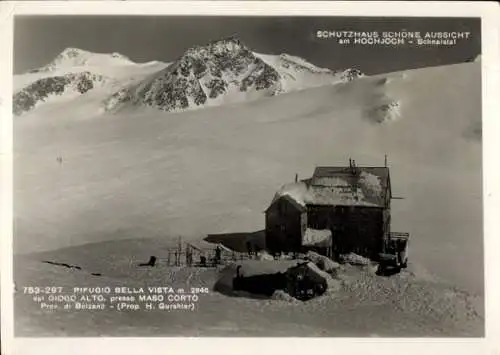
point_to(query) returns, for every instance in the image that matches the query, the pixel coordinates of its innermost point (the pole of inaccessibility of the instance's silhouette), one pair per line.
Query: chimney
(296, 177)
(385, 160)
(354, 168)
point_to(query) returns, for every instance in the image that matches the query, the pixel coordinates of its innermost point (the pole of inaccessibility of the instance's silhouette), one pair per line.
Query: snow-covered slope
(297, 74)
(74, 60)
(224, 71)
(67, 86)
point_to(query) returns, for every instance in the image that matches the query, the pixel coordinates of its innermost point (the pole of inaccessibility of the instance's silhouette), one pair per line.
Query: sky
(38, 39)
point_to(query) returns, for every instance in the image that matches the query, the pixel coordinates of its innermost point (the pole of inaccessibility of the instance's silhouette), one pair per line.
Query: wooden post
(179, 252)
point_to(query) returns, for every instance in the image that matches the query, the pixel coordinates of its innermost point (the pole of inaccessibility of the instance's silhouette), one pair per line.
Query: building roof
(329, 171)
(341, 186)
(299, 206)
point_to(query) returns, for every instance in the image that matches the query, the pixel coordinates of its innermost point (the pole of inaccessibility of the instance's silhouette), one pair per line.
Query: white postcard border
(489, 13)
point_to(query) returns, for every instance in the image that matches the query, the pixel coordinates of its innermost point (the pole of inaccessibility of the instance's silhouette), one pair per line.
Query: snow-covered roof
(293, 199)
(317, 237)
(340, 186)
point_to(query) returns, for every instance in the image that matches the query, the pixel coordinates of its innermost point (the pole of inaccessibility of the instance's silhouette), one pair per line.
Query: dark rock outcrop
(201, 74)
(40, 90)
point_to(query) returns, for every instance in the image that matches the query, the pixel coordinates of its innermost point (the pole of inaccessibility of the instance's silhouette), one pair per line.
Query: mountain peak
(224, 70)
(72, 52)
(225, 46)
(75, 57)
(233, 40)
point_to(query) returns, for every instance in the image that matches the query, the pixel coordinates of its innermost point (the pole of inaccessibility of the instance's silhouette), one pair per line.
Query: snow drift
(322, 262)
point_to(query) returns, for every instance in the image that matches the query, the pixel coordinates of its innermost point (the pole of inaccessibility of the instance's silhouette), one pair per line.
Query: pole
(179, 253)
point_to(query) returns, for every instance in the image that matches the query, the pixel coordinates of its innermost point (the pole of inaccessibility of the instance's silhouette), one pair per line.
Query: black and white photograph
(247, 176)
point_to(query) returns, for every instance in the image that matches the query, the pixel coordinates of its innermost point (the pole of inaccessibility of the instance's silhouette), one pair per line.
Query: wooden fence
(189, 255)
